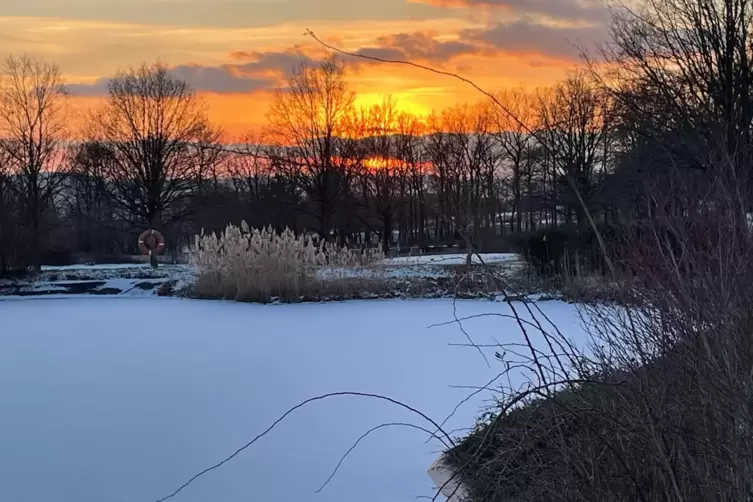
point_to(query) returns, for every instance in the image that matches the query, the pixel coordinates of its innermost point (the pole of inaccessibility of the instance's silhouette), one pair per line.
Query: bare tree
(682, 72)
(33, 128)
(517, 144)
(382, 167)
(309, 122)
(265, 197)
(162, 142)
(12, 250)
(414, 180)
(250, 169)
(462, 151)
(575, 119)
(95, 217)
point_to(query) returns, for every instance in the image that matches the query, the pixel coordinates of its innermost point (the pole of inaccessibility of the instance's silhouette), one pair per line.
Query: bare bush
(659, 407)
(258, 265)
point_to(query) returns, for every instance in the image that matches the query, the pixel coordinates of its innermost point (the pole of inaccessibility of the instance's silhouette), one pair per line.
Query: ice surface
(123, 399)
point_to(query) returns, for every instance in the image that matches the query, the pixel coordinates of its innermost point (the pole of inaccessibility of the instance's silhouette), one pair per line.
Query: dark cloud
(528, 37)
(391, 53)
(282, 63)
(262, 71)
(98, 88)
(417, 46)
(568, 10)
(564, 42)
(522, 37)
(220, 79)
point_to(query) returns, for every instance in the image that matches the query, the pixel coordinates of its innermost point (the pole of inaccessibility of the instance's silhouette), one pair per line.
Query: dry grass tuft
(262, 265)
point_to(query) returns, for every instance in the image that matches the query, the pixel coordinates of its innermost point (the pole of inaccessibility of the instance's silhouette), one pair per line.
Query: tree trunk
(386, 231)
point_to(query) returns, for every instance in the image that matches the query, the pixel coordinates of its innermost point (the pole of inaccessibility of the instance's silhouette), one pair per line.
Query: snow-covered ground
(453, 259)
(426, 266)
(124, 279)
(129, 279)
(123, 399)
(95, 267)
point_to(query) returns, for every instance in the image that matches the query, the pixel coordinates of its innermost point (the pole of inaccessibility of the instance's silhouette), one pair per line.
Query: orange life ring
(151, 241)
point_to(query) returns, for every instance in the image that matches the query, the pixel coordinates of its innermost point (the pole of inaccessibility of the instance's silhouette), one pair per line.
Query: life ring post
(151, 243)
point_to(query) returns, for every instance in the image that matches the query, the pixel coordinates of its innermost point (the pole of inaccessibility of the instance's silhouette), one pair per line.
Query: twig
(290, 411)
(462, 329)
(468, 398)
(488, 314)
(365, 434)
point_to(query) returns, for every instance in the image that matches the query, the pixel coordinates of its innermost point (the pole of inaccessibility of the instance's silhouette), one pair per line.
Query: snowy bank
(454, 259)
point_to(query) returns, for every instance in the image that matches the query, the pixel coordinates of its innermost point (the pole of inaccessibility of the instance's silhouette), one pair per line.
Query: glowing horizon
(236, 55)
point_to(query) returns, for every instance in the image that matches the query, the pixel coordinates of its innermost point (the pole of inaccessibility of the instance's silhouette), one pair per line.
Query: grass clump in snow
(262, 265)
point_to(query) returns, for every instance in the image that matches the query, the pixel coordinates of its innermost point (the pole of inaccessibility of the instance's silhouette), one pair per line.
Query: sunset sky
(234, 52)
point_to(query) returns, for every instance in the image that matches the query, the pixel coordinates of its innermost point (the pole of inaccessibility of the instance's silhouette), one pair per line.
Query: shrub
(532, 438)
(15, 251)
(546, 448)
(554, 251)
(58, 255)
(259, 265)
(658, 407)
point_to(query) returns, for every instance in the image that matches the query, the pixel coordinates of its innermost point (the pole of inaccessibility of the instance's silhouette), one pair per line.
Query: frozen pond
(123, 399)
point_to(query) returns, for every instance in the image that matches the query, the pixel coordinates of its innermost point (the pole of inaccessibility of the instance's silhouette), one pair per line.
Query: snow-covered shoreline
(430, 272)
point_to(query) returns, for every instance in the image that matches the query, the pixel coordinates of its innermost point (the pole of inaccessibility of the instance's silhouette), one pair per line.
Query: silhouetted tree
(32, 134)
(308, 123)
(97, 219)
(517, 143)
(382, 168)
(576, 127)
(682, 73)
(162, 144)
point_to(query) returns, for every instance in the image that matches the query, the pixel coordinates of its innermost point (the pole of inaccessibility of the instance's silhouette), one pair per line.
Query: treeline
(576, 154)
(149, 158)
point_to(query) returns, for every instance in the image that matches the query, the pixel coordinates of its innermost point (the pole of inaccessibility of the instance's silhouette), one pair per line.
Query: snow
(71, 289)
(108, 399)
(436, 259)
(127, 277)
(105, 266)
(383, 272)
(452, 259)
(115, 279)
